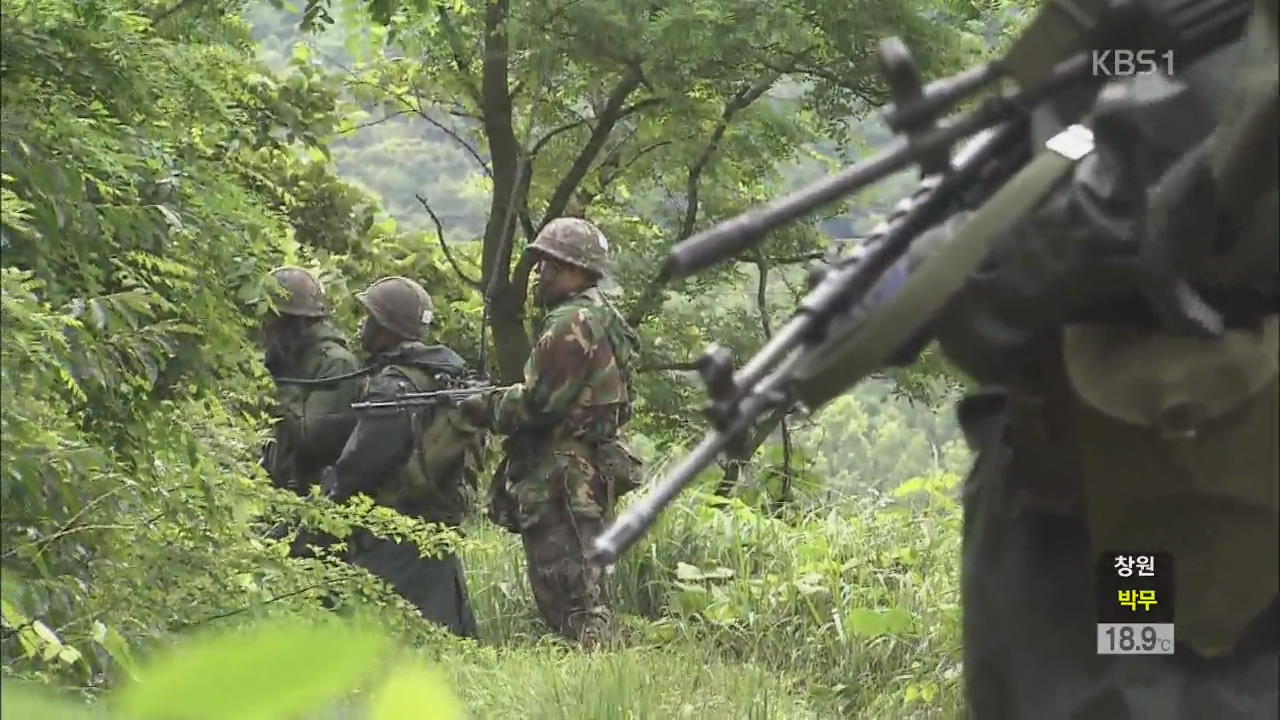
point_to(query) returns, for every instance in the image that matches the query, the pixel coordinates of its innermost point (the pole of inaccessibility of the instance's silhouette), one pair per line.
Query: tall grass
(726, 612)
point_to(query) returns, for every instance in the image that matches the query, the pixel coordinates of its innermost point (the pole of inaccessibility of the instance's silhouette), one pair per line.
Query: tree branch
(379, 121)
(762, 287)
(648, 300)
(738, 102)
(606, 120)
(417, 107)
(455, 48)
(448, 254)
(475, 155)
(537, 146)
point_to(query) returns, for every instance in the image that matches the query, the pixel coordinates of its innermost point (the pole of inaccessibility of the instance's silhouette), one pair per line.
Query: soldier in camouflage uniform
(301, 347)
(564, 465)
(1100, 427)
(421, 462)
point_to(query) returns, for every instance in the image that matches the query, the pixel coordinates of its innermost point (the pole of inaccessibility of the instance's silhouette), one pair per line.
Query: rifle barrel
(636, 520)
(728, 238)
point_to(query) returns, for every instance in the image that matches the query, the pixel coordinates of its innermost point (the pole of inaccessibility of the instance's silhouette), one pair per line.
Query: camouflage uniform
(422, 463)
(1098, 430)
(564, 463)
(315, 419)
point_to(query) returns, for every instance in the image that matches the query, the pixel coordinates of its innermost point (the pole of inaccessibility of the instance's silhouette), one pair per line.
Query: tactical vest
(437, 482)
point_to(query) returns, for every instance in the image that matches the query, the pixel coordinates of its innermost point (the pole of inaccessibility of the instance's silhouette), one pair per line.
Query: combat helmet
(574, 241)
(399, 305)
(303, 295)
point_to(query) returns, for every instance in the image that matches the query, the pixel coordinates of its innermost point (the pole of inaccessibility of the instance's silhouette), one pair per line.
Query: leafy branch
(474, 283)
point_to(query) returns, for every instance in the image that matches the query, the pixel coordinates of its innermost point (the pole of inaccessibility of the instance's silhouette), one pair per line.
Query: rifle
(449, 397)
(842, 331)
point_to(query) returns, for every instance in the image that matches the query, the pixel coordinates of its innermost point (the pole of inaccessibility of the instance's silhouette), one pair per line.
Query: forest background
(160, 158)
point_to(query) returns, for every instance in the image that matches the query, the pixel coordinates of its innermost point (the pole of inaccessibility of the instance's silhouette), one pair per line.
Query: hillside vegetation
(160, 157)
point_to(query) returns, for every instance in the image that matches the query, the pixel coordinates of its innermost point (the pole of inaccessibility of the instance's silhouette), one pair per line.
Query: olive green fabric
(436, 586)
(1145, 378)
(315, 420)
(1210, 500)
(422, 462)
(1028, 607)
(402, 463)
(1096, 431)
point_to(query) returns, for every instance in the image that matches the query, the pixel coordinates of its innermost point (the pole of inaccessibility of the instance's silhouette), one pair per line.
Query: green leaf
(46, 634)
(910, 487)
(873, 623)
(414, 692)
(685, 571)
(720, 573)
(116, 646)
(275, 670)
(864, 622)
(21, 701)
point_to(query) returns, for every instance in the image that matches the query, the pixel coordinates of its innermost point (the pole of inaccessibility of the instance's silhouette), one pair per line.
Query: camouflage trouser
(559, 519)
(569, 590)
(1029, 622)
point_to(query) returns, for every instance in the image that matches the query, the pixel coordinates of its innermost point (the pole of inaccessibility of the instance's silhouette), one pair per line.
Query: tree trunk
(505, 304)
(510, 340)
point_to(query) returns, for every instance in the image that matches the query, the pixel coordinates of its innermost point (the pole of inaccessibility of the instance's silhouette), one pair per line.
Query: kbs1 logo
(1122, 62)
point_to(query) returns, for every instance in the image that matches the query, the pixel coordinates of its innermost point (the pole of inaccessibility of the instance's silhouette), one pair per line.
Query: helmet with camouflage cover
(574, 241)
(400, 305)
(303, 295)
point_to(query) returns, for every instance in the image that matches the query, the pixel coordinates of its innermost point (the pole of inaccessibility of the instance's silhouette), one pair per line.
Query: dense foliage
(159, 159)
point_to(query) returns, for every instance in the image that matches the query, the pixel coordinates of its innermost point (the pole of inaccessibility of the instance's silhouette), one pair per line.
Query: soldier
(563, 464)
(421, 462)
(301, 347)
(1101, 425)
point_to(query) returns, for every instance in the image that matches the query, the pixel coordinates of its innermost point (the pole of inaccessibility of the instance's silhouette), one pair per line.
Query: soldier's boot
(589, 628)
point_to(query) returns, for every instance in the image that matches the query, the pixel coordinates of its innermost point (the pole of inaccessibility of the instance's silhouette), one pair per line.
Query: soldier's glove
(477, 410)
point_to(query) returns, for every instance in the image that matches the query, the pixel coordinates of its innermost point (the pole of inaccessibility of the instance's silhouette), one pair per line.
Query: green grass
(726, 613)
(722, 612)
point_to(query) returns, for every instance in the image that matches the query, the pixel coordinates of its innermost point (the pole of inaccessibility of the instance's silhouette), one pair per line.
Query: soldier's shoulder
(337, 351)
(570, 319)
(390, 380)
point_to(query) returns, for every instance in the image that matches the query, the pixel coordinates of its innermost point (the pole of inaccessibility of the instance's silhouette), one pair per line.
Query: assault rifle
(853, 321)
(449, 397)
